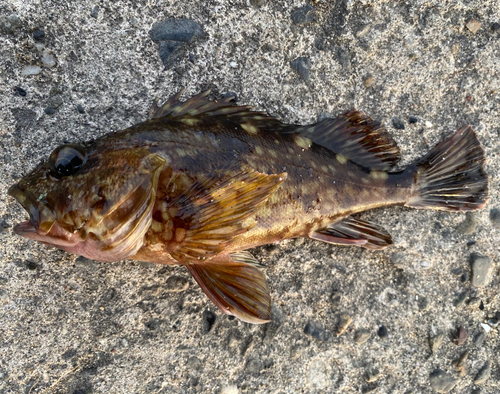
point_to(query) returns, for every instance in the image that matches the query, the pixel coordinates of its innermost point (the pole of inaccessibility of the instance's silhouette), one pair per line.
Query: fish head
(90, 200)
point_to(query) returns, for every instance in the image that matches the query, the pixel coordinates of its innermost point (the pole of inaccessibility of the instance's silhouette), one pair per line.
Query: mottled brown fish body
(200, 182)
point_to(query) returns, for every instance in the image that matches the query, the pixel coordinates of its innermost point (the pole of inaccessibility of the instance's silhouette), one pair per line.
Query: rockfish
(202, 181)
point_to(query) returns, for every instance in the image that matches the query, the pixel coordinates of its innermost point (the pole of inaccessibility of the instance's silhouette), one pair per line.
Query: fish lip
(42, 216)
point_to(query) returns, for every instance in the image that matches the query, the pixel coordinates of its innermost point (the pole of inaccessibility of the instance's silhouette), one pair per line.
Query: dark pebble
(484, 373)
(38, 35)
(21, 91)
(183, 30)
(258, 3)
(460, 336)
(398, 123)
(316, 332)
(463, 278)
(471, 243)
(479, 339)
(231, 94)
(495, 217)
(68, 354)
(95, 12)
(31, 265)
(495, 26)
(413, 119)
(170, 51)
(49, 111)
(302, 65)
(208, 321)
(382, 332)
(460, 299)
(80, 109)
(303, 15)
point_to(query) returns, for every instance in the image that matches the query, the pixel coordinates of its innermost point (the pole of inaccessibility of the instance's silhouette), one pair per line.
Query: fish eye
(67, 160)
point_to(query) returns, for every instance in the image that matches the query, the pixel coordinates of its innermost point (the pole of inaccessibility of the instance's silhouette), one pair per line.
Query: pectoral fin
(351, 231)
(236, 285)
(212, 212)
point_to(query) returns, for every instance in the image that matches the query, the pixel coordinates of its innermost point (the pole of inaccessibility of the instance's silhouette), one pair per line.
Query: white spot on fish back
(249, 128)
(341, 158)
(379, 175)
(304, 143)
(259, 150)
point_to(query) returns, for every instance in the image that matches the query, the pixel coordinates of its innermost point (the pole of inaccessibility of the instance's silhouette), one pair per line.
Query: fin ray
(357, 137)
(236, 285)
(351, 231)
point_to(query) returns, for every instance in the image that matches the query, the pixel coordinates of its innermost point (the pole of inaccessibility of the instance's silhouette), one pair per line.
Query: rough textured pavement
(71, 71)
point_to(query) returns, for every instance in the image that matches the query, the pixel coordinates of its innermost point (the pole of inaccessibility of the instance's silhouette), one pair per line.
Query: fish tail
(451, 176)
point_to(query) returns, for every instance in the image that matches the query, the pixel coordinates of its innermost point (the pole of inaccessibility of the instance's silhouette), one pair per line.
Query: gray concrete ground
(70, 325)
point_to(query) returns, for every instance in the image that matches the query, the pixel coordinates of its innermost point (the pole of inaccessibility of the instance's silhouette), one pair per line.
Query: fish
(202, 181)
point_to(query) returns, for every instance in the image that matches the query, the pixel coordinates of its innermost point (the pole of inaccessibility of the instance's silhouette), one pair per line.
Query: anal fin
(351, 231)
(236, 285)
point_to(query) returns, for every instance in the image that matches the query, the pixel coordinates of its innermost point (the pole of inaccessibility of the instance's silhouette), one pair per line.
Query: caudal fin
(451, 176)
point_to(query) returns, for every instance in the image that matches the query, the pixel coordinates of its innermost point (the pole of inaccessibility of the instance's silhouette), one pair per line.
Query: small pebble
(31, 70)
(435, 342)
(38, 35)
(398, 124)
(31, 265)
(371, 374)
(460, 364)
(361, 336)
(48, 59)
(95, 12)
(208, 320)
(495, 26)
(460, 299)
(382, 332)
(495, 217)
(233, 64)
(369, 81)
(441, 381)
(182, 30)
(428, 124)
(473, 26)
(363, 31)
(49, 111)
(482, 270)
(80, 109)
(303, 67)
(258, 3)
(20, 91)
(468, 226)
(479, 339)
(493, 322)
(303, 15)
(345, 321)
(474, 302)
(233, 389)
(460, 336)
(484, 373)
(486, 327)
(316, 332)
(9, 23)
(413, 119)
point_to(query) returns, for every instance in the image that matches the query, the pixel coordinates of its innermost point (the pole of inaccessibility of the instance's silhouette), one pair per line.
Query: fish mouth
(42, 216)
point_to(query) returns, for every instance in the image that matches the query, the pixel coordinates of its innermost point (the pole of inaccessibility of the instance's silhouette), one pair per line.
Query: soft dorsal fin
(236, 284)
(199, 107)
(357, 137)
(212, 212)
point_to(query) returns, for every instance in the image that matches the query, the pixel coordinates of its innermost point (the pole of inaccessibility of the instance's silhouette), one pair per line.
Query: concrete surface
(70, 325)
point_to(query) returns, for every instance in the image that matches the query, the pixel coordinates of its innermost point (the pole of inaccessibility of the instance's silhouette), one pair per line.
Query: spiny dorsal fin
(199, 107)
(236, 285)
(352, 231)
(212, 212)
(357, 137)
